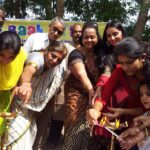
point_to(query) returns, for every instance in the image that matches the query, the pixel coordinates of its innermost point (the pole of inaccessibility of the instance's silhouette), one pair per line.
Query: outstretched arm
(117, 112)
(79, 71)
(131, 137)
(106, 93)
(101, 82)
(24, 90)
(136, 134)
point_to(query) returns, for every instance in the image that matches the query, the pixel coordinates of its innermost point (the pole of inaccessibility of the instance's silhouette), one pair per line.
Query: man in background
(75, 33)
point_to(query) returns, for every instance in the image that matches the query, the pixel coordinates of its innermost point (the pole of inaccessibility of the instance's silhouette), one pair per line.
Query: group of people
(89, 79)
(108, 74)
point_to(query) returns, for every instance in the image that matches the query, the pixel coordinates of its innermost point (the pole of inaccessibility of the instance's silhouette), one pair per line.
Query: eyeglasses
(54, 29)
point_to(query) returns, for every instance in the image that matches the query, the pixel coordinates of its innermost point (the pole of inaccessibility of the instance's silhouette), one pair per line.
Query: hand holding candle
(112, 132)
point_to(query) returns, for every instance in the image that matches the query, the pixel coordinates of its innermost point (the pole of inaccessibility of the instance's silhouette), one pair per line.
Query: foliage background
(127, 11)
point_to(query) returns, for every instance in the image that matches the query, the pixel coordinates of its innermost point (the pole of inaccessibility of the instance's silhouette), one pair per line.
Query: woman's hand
(96, 94)
(142, 122)
(130, 137)
(116, 113)
(23, 91)
(92, 115)
(130, 132)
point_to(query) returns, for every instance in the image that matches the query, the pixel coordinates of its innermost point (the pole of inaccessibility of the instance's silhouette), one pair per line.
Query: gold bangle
(32, 64)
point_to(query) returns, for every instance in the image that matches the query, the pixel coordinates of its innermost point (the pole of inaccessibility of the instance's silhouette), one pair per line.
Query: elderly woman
(43, 72)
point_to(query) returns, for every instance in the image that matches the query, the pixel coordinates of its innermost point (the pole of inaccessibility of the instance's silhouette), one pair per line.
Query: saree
(77, 102)
(76, 97)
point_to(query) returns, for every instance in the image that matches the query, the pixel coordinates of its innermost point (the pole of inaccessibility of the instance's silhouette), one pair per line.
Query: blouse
(121, 86)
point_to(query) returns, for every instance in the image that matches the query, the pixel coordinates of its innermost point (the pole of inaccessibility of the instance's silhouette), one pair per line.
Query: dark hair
(94, 25)
(132, 49)
(10, 40)
(113, 24)
(147, 83)
(129, 47)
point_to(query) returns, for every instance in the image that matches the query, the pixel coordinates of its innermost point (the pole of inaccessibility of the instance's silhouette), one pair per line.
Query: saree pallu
(76, 102)
(10, 73)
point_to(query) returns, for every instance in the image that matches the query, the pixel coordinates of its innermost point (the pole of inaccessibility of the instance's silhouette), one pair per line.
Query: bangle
(146, 133)
(34, 65)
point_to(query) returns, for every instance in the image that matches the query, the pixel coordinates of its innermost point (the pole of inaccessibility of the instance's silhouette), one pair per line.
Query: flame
(114, 125)
(126, 124)
(117, 123)
(103, 121)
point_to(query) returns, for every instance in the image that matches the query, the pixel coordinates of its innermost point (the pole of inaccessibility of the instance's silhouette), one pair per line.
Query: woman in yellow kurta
(12, 58)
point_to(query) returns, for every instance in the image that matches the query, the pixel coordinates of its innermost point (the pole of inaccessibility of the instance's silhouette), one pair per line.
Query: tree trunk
(48, 9)
(142, 19)
(17, 9)
(60, 8)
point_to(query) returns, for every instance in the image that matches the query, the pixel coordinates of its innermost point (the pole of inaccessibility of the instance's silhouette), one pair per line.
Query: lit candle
(103, 121)
(117, 123)
(112, 132)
